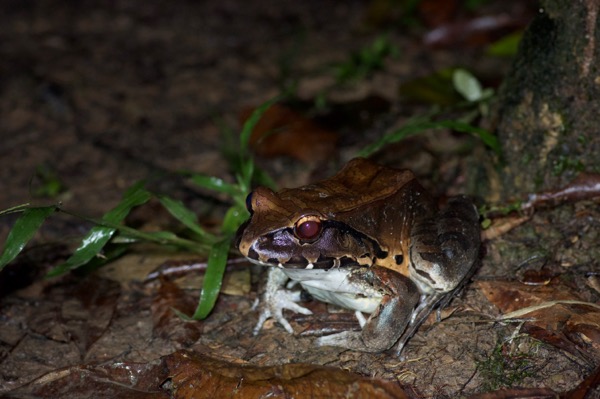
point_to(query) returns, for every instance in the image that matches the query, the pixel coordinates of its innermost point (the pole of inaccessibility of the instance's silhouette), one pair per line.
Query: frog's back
(360, 183)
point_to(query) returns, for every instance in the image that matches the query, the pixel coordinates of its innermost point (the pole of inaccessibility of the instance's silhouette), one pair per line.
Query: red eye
(307, 229)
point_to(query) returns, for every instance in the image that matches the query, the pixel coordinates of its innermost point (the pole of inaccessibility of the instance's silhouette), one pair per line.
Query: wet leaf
(22, 231)
(213, 183)
(198, 376)
(217, 260)
(98, 236)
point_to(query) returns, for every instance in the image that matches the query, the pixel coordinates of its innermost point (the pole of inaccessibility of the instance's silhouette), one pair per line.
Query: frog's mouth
(299, 262)
(338, 246)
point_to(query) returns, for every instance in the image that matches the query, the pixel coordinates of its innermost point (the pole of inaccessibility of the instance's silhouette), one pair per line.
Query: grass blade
(23, 230)
(251, 122)
(214, 183)
(98, 236)
(414, 128)
(213, 278)
(246, 162)
(180, 212)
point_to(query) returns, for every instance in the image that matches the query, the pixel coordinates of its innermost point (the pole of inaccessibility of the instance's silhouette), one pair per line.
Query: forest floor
(97, 95)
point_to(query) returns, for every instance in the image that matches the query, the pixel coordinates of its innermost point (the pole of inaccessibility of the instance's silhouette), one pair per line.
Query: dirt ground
(97, 95)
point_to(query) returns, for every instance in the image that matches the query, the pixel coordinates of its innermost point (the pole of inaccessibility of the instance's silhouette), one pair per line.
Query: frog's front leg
(389, 320)
(275, 298)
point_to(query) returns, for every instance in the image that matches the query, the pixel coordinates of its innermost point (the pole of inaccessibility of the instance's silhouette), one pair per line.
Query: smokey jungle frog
(369, 239)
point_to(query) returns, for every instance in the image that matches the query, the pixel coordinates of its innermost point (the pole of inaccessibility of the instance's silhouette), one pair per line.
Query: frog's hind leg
(386, 324)
(443, 256)
(444, 247)
(426, 305)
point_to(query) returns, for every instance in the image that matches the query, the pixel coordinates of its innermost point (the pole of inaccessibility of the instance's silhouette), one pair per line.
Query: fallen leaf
(166, 323)
(283, 132)
(554, 313)
(197, 376)
(116, 380)
(518, 393)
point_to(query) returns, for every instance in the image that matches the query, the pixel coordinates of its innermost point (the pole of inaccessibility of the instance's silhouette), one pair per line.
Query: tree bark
(548, 116)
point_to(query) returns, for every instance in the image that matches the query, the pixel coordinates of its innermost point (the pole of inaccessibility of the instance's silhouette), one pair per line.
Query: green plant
(366, 61)
(110, 230)
(504, 367)
(476, 105)
(110, 237)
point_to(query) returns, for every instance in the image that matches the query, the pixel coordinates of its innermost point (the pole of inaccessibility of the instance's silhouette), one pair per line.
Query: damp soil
(96, 95)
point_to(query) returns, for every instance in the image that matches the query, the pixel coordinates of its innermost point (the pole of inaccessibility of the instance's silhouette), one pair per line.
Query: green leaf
(109, 254)
(436, 88)
(467, 85)
(235, 216)
(185, 216)
(507, 46)
(246, 163)
(213, 278)
(411, 129)
(251, 122)
(23, 230)
(98, 236)
(213, 183)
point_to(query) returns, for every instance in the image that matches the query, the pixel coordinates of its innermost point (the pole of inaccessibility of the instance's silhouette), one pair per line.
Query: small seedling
(110, 228)
(504, 367)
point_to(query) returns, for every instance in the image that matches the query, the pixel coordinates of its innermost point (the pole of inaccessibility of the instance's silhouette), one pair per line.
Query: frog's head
(283, 232)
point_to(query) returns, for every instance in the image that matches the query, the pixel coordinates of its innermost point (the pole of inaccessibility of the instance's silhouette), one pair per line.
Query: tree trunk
(548, 118)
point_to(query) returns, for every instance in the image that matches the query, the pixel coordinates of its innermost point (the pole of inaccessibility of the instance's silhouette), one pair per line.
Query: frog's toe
(272, 307)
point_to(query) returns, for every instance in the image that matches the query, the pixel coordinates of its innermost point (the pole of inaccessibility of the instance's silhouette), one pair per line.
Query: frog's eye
(308, 228)
(249, 203)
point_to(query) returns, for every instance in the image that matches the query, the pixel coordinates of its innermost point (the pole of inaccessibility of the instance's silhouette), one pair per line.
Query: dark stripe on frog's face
(337, 246)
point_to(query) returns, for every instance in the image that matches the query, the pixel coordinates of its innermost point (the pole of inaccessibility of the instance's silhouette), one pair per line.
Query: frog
(370, 239)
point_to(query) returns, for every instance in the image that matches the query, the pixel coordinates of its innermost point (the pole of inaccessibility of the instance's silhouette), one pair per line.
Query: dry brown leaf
(554, 313)
(284, 132)
(119, 380)
(518, 393)
(166, 323)
(198, 376)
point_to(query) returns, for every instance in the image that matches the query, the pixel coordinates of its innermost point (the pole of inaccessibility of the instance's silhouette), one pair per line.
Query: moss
(564, 163)
(504, 368)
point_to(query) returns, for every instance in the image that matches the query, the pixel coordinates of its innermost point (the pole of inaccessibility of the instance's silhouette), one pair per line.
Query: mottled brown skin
(381, 236)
